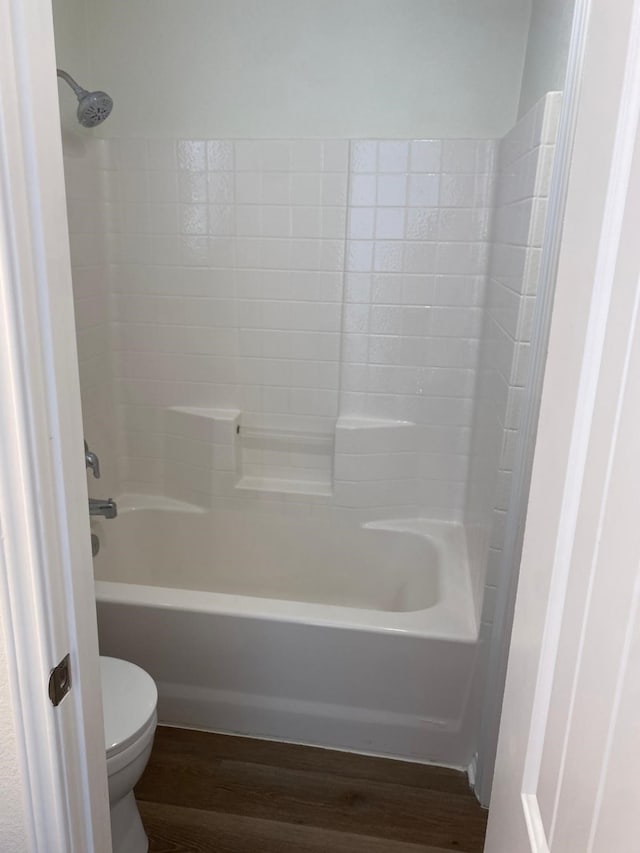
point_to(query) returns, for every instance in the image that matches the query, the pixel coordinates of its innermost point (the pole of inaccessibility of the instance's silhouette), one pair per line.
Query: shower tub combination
(359, 638)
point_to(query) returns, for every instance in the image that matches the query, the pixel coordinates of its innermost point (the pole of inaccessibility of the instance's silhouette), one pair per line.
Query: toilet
(129, 698)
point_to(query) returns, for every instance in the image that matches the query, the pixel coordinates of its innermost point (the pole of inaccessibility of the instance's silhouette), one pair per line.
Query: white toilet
(129, 698)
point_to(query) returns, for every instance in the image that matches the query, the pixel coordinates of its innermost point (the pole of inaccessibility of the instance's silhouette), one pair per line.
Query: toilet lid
(129, 699)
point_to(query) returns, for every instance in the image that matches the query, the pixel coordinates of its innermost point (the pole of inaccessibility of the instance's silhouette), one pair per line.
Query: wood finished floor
(206, 792)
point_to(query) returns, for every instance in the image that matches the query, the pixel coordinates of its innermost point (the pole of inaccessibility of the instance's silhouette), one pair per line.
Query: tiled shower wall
(85, 161)
(227, 285)
(418, 242)
(296, 282)
(525, 163)
(332, 294)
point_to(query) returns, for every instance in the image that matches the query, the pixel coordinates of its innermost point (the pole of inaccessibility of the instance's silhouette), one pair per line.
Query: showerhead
(93, 107)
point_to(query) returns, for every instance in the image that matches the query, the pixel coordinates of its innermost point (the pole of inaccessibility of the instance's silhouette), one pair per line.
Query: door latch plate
(60, 681)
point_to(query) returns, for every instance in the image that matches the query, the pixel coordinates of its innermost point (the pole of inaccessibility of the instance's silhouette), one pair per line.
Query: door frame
(47, 599)
(507, 584)
(600, 189)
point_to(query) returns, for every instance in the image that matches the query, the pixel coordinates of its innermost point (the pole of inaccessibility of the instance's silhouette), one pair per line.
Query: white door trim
(46, 591)
(624, 148)
(535, 825)
(584, 390)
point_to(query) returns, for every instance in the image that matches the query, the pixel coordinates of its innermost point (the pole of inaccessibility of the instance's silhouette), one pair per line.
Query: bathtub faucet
(107, 508)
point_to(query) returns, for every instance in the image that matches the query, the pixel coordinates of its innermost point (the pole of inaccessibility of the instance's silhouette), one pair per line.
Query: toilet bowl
(129, 698)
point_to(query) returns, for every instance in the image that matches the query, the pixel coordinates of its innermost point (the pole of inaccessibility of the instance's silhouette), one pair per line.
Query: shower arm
(79, 91)
(93, 107)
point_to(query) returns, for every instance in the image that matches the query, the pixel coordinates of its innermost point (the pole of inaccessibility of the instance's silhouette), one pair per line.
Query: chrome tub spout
(107, 508)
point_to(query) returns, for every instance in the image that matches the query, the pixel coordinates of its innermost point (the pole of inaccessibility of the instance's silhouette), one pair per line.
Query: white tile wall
(227, 281)
(242, 276)
(524, 177)
(89, 222)
(298, 281)
(417, 248)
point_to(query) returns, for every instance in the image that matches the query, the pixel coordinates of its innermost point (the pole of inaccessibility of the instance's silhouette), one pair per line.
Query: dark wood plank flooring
(207, 792)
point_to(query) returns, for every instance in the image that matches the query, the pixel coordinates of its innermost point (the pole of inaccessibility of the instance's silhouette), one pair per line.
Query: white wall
(547, 50)
(72, 55)
(304, 68)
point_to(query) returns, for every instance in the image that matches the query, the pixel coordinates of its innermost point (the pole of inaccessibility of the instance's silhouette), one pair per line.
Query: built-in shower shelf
(284, 486)
(286, 457)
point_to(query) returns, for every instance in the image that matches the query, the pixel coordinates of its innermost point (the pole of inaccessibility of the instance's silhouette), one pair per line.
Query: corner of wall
(524, 176)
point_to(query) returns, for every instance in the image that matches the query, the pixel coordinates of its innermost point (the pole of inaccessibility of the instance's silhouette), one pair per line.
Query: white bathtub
(360, 638)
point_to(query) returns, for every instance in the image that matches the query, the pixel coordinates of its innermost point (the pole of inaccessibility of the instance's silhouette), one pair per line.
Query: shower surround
(299, 330)
(316, 288)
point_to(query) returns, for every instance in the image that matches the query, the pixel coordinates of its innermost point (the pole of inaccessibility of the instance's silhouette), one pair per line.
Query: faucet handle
(91, 461)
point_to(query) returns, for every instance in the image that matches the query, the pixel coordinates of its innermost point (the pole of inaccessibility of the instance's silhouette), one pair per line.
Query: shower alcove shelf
(293, 461)
(299, 456)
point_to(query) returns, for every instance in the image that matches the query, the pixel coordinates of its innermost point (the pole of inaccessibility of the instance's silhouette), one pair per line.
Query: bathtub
(294, 628)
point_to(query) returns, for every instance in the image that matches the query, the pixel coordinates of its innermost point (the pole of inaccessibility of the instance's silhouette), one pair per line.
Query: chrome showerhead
(93, 107)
